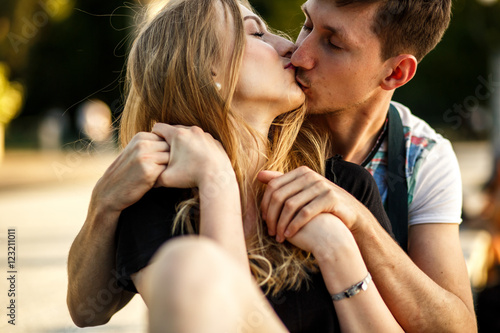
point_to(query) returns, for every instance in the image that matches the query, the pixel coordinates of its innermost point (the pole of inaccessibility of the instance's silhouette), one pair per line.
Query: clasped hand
(170, 156)
(195, 156)
(298, 198)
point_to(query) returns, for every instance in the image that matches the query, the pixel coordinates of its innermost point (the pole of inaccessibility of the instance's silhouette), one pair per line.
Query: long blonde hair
(170, 80)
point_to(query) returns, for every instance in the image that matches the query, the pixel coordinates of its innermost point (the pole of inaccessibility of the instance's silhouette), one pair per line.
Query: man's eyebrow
(337, 31)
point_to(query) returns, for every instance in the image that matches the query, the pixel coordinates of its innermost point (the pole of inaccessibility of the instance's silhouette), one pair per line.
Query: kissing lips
(301, 83)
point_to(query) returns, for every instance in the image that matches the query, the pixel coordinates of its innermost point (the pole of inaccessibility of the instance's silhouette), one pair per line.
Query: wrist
(334, 246)
(218, 178)
(354, 289)
(101, 215)
(364, 226)
(341, 265)
(104, 200)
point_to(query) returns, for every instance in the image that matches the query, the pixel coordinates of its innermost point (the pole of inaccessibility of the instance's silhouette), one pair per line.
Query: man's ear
(402, 69)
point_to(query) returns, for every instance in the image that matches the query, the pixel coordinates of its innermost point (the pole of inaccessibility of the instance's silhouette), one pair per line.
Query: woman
(211, 64)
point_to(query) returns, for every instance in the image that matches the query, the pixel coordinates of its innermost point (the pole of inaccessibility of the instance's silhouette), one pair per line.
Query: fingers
(161, 158)
(278, 191)
(147, 136)
(298, 208)
(147, 151)
(165, 131)
(306, 214)
(275, 184)
(144, 142)
(152, 146)
(281, 207)
(294, 199)
(162, 180)
(144, 158)
(168, 132)
(266, 176)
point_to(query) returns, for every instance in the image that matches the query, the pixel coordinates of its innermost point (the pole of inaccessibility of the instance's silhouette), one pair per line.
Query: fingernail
(287, 233)
(278, 239)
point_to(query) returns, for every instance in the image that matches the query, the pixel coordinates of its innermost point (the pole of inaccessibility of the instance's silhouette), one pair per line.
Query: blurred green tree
(284, 15)
(64, 52)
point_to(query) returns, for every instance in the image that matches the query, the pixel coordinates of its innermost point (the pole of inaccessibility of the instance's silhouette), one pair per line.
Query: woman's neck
(257, 150)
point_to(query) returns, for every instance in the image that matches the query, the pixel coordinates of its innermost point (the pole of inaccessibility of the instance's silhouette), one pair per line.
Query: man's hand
(133, 173)
(291, 200)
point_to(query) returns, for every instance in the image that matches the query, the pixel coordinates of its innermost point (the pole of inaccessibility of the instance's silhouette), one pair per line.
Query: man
(351, 56)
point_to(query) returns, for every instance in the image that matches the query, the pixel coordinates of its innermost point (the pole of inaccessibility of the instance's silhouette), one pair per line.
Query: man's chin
(313, 109)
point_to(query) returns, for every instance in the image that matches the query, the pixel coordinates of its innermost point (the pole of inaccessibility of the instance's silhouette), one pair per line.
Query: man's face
(338, 56)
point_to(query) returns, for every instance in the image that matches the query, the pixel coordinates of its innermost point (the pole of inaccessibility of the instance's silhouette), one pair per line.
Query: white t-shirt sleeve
(437, 196)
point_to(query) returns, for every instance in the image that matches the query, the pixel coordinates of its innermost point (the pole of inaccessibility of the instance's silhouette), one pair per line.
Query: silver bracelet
(353, 290)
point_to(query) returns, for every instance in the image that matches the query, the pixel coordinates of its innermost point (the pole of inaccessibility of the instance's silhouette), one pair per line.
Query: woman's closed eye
(258, 34)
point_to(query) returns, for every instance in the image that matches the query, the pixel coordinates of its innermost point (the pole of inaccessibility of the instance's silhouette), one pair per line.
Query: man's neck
(355, 132)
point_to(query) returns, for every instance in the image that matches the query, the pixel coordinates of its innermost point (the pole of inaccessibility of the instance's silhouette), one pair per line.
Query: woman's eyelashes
(258, 34)
(255, 29)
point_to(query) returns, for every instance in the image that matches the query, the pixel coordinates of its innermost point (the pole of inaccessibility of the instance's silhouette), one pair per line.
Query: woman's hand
(133, 173)
(198, 160)
(325, 235)
(341, 265)
(293, 199)
(335, 250)
(195, 157)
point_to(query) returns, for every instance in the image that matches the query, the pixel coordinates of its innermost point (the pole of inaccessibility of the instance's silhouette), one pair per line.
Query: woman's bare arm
(198, 160)
(342, 266)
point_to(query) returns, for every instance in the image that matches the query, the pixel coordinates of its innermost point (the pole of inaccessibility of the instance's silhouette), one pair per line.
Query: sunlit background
(61, 85)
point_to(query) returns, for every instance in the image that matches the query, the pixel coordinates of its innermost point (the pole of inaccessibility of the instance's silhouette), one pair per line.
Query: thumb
(164, 131)
(171, 177)
(266, 176)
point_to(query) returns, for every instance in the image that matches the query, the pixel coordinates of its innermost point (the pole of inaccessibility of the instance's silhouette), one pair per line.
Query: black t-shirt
(146, 225)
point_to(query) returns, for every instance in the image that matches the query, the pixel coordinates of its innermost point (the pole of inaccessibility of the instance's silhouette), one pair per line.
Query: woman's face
(266, 87)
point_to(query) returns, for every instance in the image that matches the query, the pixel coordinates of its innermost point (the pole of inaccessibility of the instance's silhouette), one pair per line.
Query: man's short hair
(408, 26)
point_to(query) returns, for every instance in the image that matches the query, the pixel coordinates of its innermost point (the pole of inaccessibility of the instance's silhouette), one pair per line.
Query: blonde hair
(170, 80)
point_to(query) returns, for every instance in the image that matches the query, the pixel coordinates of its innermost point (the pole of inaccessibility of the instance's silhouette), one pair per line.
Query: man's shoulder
(424, 146)
(416, 128)
(421, 139)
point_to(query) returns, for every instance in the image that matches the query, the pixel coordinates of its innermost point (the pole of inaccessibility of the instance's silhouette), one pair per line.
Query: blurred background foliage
(57, 54)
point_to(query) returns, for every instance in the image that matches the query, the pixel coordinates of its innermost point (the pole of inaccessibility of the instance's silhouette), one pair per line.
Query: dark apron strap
(397, 188)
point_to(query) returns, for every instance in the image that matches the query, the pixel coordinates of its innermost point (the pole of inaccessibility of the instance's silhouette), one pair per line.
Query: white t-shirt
(432, 173)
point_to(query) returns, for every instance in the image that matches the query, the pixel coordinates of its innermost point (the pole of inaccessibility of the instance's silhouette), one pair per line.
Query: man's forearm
(415, 299)
(93, 295)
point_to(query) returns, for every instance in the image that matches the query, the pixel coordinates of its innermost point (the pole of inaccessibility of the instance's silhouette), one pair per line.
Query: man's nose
(303, 56)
